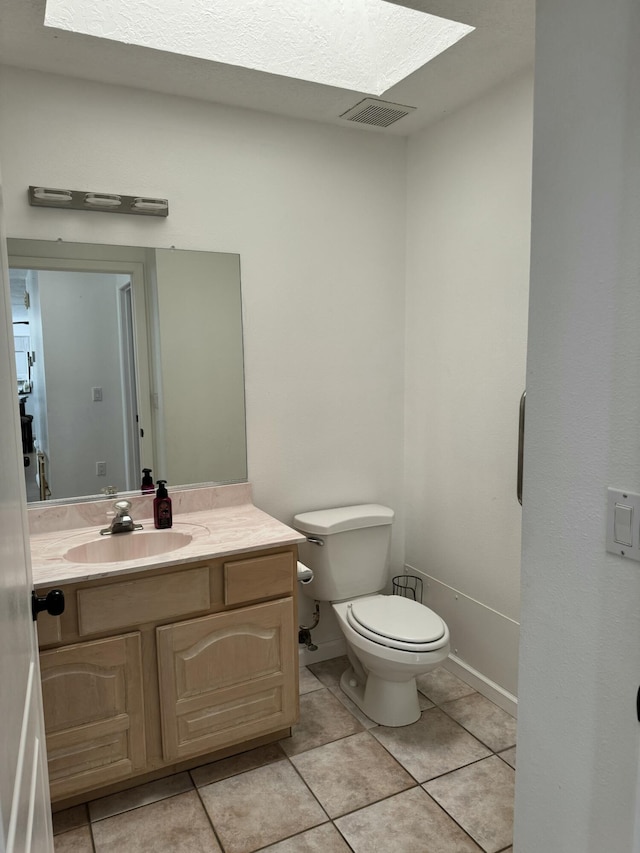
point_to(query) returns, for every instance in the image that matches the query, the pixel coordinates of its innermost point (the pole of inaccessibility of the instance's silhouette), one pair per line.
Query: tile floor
(340, 783)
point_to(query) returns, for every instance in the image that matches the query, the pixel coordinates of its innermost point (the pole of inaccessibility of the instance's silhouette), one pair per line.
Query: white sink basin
(121, 547)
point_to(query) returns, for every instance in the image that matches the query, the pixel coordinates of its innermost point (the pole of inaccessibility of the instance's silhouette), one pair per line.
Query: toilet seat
(397, 622)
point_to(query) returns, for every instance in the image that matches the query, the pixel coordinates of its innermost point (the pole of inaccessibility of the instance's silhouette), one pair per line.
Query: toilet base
(389, 703)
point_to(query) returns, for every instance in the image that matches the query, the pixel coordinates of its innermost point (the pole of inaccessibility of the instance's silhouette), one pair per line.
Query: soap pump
(147, 482)
(162, 513)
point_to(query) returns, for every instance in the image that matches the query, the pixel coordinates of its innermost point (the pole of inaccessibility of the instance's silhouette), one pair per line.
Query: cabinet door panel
(225, 716)
(80, 693)
(227, 677)
(228, 656)
(94, 718)
(49, 630)
(87, 747)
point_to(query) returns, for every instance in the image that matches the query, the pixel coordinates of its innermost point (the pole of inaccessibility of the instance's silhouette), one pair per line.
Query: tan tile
(76, 841)
(142, 795)
(260, 807)
(175, 825)
(322, 720)
(440, 686)
(329, 672)
(509, 755)
(410, 822)
(432, 746)
(322, 839)
(480, 799)
(350, 773)
(424, 703)
(70, 819)
(226, 767)
(485, 720)
(308, 681)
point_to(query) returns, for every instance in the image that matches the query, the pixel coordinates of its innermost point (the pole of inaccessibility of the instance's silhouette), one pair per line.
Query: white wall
(317, 215)
(578, 734)
(468, 221)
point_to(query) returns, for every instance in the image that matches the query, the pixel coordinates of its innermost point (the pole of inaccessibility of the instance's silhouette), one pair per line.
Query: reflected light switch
(622, 521)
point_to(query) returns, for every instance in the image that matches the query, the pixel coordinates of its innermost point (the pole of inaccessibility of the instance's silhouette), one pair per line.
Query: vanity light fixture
(151, 205)
(54, 197)
(101, 202)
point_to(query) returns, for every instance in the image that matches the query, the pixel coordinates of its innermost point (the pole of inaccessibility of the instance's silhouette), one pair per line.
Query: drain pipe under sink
(305, 576)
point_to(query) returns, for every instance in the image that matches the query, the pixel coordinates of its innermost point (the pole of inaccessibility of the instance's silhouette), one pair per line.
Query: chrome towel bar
(523, 401)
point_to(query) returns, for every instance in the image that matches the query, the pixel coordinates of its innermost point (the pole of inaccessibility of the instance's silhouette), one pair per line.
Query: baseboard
(483, 640)
(325, 651)
(492, 691)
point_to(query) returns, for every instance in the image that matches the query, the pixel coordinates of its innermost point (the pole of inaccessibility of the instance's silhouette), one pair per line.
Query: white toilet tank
(353, 558)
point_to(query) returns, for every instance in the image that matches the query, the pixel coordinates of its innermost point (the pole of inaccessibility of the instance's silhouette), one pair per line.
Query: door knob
(52, 602)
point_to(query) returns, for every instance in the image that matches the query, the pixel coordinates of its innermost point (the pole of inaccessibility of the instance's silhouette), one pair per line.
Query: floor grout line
(213, 829)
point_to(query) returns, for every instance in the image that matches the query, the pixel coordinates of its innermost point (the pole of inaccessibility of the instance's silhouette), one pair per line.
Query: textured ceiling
(500, 46)
(367, 45)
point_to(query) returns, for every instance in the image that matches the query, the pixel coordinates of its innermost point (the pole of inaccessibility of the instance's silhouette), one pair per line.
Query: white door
(25, 811)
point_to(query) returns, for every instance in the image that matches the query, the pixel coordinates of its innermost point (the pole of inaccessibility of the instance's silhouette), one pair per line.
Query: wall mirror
(127, 358)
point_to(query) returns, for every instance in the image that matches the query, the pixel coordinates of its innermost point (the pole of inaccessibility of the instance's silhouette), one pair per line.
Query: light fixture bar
(95, 201)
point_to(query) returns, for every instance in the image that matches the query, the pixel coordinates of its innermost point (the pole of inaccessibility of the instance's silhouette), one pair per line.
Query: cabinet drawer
(259, 577)
(120, 605)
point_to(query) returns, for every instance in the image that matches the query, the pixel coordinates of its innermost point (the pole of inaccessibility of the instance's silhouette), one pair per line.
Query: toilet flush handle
(315, 540)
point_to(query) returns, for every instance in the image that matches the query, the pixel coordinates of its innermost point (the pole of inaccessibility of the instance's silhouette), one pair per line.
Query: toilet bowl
(390, 641)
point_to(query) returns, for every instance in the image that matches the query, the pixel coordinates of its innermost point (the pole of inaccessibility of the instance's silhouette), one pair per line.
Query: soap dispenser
(162, 513)
(147, 482)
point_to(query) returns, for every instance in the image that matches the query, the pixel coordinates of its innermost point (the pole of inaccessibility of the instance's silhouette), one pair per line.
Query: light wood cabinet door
(94, 714)
(226, 678)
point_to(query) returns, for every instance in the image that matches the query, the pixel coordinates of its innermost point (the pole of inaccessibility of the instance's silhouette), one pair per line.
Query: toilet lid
(397, 622)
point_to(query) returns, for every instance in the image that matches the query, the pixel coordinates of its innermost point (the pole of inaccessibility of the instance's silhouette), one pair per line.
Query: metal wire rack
(408, 586)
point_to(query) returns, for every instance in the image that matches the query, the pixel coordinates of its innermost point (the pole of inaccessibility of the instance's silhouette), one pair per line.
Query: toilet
(390, 639)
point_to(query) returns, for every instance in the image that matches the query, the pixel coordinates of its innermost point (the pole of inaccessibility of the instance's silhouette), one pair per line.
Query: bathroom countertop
(215, 532)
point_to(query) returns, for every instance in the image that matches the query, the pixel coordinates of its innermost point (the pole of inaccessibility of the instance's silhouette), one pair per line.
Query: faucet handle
(122, 507)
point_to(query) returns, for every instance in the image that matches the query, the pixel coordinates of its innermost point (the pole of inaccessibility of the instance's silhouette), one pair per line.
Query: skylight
(365, 45)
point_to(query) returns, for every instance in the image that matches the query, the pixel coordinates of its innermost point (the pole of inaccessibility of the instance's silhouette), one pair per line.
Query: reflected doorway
(77, 385)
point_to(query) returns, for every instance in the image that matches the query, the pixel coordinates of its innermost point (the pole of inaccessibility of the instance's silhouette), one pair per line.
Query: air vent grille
(377, 113)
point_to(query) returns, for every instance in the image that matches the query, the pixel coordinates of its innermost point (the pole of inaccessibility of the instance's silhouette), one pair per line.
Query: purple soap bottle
(162, 513)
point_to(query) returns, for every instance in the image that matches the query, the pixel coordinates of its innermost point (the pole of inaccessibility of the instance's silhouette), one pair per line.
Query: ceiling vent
(377, 113)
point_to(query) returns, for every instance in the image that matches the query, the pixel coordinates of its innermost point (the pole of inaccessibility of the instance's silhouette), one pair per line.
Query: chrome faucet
(122, 521)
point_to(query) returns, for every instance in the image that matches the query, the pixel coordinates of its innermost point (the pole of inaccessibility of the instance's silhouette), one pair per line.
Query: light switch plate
(623, 524)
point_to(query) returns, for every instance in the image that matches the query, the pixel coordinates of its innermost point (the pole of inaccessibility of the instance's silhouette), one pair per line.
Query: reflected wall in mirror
(136, 361)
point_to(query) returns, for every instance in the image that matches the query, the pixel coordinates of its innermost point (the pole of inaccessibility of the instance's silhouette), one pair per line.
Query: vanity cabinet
(146, 673)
